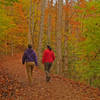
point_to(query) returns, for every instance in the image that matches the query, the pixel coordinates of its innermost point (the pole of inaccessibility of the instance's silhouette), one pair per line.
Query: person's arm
(43, 57)
(24, 58)
(35, 59)
(53, 56)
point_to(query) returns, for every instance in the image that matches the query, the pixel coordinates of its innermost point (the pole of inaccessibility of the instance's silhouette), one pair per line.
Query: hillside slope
(14, 84)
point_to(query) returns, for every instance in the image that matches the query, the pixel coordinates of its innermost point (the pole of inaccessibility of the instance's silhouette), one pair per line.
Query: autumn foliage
(79, 36)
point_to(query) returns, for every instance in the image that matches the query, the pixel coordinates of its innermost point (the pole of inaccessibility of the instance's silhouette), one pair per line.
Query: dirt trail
(58, 88)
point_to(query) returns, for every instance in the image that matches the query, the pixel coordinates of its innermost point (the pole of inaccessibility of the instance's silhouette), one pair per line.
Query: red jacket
(48, 56)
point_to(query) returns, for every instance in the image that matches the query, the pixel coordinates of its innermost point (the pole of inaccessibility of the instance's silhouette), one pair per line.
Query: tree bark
(33, 24)
(30, 27)
(59, 31)
(66, 39)
(6, 44)
(41, 31)
(49, 23)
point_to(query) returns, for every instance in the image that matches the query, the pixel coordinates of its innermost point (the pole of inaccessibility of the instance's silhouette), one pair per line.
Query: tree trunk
(49, 23)
(41, 31)
(6, 45)
(30, 31)
(59, 31)
(66, 39)
(12, 45)
(33, 24)
(12, 49)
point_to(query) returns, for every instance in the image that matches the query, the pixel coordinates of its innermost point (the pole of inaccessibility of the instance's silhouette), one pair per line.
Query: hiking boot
(48, 78)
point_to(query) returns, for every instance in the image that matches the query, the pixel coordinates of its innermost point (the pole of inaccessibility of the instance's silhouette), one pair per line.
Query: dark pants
(47, 70)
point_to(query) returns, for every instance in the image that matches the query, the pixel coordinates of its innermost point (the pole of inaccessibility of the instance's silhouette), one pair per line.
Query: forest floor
(14, 84)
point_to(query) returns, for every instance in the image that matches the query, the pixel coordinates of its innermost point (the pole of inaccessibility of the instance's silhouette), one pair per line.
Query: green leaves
(8, 2)
(87, 53)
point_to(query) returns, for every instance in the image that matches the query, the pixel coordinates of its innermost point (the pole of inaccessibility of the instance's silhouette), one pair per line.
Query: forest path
(58, 88)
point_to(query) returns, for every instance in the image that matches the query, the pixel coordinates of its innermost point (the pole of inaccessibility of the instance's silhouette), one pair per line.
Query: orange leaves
(93, 8)
(66, 8)
(75, 23)
(82, 3)
(18, 10)
(9, 88)
(82, 38)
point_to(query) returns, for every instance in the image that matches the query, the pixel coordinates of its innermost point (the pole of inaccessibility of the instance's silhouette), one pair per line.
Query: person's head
(29, 46)
(48, 46)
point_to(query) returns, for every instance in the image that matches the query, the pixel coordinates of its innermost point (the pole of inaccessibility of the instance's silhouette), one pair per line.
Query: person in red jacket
(47, 60)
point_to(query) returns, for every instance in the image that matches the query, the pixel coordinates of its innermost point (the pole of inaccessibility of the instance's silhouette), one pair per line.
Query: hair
(29, 46)
(49, 47)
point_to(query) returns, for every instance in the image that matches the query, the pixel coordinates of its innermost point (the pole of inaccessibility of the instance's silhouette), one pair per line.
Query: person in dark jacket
(47, 60)
(30, 58)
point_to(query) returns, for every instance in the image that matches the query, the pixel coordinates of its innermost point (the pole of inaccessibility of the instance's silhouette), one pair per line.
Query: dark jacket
(29, 56)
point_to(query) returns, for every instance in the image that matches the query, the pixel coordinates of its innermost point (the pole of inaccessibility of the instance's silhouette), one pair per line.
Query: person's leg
(46, 70)
(28, 69)
(32, 67)
(49, 67)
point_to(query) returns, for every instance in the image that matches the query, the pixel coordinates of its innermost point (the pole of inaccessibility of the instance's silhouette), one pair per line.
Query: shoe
(48, 78)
